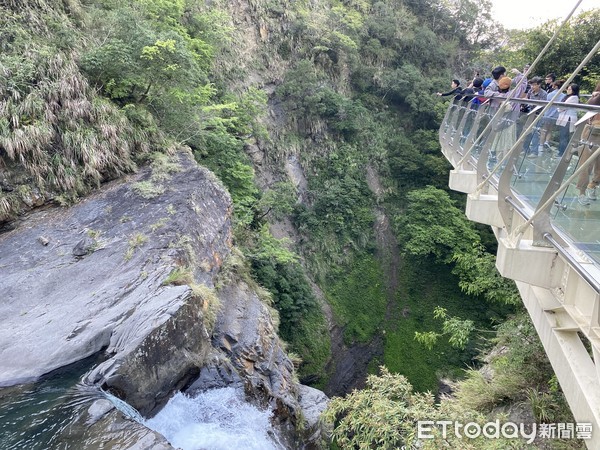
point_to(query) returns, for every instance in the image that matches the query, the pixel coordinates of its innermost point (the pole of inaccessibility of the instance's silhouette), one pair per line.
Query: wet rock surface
(117, 431)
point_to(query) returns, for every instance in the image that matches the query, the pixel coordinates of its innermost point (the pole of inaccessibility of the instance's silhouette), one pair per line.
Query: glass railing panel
(468, 120)
(537, 163)
(532, 175)
(537, 158)
(482, 119)
(459, 115)
(581, 222)
(505, 131)
(449, 125)
(532, 179)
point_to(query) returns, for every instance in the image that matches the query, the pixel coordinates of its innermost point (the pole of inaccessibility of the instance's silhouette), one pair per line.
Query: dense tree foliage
(57, 137)
(342, 88)
(574, 41)
(386, 413)
(432, 225)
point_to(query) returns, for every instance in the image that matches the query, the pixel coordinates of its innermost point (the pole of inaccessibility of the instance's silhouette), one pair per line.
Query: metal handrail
(576, 265)
(526, 101)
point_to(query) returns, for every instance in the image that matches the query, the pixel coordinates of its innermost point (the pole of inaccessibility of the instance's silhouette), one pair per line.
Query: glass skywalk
(537, 181)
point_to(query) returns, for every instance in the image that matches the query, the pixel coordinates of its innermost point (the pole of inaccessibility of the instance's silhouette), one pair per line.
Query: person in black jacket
(474, 93)
(456, 90)
(549, 81)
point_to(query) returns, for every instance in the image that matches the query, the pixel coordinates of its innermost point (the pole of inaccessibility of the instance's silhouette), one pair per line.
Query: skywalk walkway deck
(548, 242)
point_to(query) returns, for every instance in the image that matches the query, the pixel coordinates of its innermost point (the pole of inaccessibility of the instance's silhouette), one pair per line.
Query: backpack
(480, 98)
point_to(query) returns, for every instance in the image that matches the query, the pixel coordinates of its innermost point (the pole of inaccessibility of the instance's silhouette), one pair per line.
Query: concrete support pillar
(463, 180)
(538, 266)
(483, 208)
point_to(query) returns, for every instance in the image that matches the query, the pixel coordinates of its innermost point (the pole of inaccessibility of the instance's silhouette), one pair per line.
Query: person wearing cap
(504, 85)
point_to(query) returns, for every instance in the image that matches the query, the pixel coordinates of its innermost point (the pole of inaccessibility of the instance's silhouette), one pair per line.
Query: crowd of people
(561, 118)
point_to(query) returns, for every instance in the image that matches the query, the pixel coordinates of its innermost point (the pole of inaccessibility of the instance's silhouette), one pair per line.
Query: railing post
(542, 225)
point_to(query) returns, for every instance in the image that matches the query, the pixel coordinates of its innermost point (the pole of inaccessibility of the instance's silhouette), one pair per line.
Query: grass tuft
(148, 189)
(136, 241)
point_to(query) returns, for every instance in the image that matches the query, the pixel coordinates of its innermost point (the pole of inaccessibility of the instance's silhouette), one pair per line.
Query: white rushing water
(218, 419)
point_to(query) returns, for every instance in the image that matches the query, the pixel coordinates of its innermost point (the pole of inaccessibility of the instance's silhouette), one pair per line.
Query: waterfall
(124, 407)
(219, 419)
(36, 416)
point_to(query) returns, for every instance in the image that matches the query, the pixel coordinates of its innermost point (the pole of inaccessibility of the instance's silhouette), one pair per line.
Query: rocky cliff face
(265, 28)
(132, 272)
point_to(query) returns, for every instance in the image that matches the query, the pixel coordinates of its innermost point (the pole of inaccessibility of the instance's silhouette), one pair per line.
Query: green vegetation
(210, 304)
(159, 73)
(98, 242)
(135, 242)
(340, 215)
(54, 127)
(159, 224)
(92, 89)
(432, 226)
(424, 285)
(179, 276)
(576, 39)
(147, 189)
(359, 300)
(458, 330)
(517, 374)
(184, 276)
(385, 414)
(435, 234)
(302, 323)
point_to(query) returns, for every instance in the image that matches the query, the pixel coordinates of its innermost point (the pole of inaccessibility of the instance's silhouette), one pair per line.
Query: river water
(35, 416)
